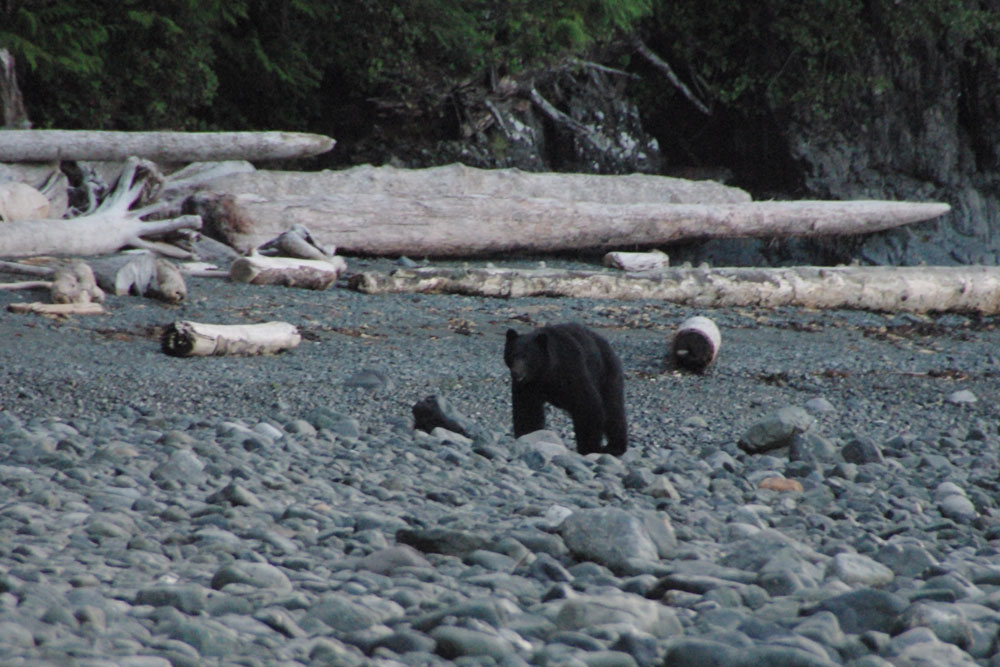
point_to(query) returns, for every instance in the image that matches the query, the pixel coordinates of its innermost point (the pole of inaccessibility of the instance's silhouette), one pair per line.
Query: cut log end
(696, 344)
(195, 339)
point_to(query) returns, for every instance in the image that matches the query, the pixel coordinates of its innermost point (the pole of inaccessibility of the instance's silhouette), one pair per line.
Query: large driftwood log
(162, 147)
(974, 289)
(110, 227)
(197, 339)
(479, 215)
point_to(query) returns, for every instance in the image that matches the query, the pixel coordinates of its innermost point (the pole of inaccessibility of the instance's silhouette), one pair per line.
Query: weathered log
(125, 273)
(696, 344)
(973, 289)
(196, 339)
(27, 284)
(297, 242)
(141, 274)
(110, 227)
(162, 147)
(468, 222)
(47, 178)
(459, 180)
(75, 283)
(287, 271)
(637, 261)
(40, 308)
(20, 201)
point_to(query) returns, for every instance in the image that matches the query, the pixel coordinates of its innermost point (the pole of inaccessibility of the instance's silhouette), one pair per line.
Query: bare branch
(668, 72)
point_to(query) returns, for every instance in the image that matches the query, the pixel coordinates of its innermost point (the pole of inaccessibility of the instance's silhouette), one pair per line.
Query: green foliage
(278, 63)
(97, 63)
(817, 56)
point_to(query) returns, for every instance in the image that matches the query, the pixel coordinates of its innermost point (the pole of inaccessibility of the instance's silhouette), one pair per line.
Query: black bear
(576, 370)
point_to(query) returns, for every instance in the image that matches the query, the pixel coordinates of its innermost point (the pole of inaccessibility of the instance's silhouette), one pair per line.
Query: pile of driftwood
(143, 225)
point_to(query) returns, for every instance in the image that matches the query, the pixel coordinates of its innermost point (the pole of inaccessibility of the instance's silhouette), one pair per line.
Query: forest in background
(351, 69)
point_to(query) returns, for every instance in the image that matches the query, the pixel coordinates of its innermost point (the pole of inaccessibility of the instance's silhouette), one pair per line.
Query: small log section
(160, 147)
(458, 211)
(317, 274)
(919, 289)
(197, 339)
(696, 344)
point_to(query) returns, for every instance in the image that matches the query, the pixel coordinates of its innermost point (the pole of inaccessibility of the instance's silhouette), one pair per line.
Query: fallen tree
(162, 147)
(459, 225)
(973, 289)
(110, 227)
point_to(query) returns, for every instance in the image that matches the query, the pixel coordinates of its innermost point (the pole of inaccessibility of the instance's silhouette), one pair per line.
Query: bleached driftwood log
(196, 339)
(696, 344)
(40, 308)
(142, 274)
(110, 227)
(481, 215)
(75, 283)
(20, 201)
(47, 178)
(288, 271)
(162, 147)
(637, 261)
(297, 242)
(974, 289)
(69, 283)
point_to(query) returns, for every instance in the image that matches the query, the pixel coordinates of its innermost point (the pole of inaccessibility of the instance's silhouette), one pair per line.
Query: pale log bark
(110, 227)
(20, 201)
(973, 289)
(27, 284)
(458, 180)
(696, 344)
(96, 234)
(470, 226)
(196, 339)
(287, 271)
(161, 147)
(75, 283)
(637, 261)
(40, 308)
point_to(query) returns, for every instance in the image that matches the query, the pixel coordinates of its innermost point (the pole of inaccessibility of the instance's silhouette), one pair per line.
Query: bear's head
(527, 356)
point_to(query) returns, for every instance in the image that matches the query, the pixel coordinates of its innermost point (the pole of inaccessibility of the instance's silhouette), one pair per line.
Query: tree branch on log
(560, 118)
(161, 147)
(972, 289)
(668, 71)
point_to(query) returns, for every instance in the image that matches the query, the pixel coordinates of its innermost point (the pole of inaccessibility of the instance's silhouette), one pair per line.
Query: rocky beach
(825, 494)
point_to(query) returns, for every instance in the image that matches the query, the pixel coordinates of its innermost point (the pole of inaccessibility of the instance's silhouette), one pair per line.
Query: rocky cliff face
(934, 134)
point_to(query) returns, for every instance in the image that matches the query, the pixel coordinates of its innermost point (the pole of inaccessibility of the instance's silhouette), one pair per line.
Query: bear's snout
(519, 371)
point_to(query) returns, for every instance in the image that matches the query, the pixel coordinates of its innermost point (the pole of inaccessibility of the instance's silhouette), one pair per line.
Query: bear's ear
(511, 335)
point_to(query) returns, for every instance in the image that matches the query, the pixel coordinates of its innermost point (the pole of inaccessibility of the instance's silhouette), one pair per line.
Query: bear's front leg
(588, 423)
(529, 411)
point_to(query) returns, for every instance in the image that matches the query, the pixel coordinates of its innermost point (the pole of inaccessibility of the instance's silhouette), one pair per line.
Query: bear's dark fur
(576, 370)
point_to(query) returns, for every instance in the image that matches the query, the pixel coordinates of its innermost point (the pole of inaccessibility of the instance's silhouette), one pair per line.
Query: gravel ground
(148, 494)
